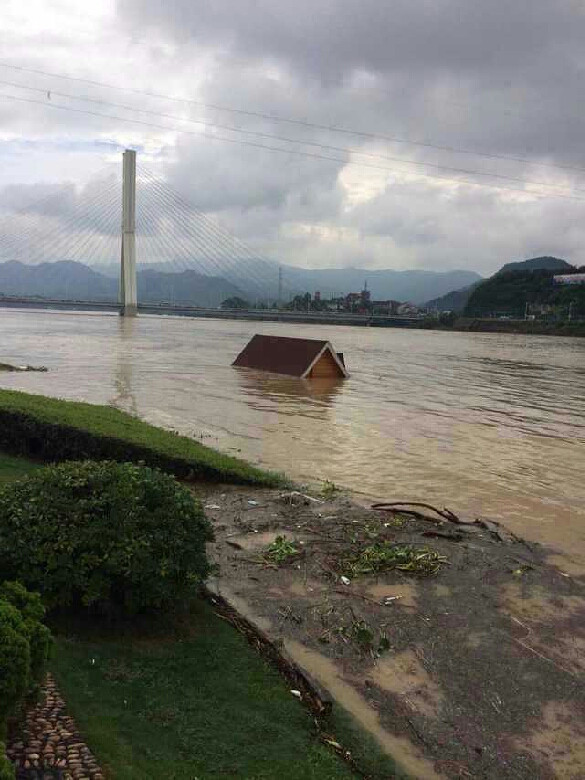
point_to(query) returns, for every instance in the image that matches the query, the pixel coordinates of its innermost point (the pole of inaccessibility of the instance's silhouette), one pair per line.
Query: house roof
(284, 355)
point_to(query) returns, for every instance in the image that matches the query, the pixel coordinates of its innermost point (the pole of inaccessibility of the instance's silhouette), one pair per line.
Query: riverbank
(470, 671)
(167, 697)
(51, 430)
(460, 324)
(526, 327)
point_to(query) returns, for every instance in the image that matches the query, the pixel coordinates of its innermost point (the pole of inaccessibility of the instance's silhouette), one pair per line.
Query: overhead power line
(289, 151)
(273, 137)
(294, 121)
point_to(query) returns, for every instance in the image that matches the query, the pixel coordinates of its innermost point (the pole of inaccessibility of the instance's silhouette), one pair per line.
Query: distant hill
(185, 287)
(458, 301)
(455, 301)
(260, 277)
(515, 285)
(67, 280)
(415, 286)
(538, 264)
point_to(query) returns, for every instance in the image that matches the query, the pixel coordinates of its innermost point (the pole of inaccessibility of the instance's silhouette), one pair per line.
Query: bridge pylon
(128, 286)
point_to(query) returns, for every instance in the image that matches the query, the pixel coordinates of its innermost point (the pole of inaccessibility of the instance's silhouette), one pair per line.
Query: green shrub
(115, 536)
(31, 608)
(14, 659)
(24, 651)
(53, 430)
(7, 771)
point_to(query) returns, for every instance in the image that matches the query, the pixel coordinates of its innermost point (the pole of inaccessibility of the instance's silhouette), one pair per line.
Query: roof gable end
(285, 355)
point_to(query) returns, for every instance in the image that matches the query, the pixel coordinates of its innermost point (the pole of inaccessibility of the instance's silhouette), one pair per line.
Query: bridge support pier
(128, 286)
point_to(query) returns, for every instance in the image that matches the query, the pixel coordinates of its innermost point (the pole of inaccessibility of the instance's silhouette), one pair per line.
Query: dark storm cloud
(511, 74)
(216, 177)
(337, 36)
(474, 76)
(481, 76)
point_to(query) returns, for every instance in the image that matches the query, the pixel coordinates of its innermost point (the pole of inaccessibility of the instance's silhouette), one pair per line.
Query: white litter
(296, 693)
(212, 506)
(253, 503)
(345, 580)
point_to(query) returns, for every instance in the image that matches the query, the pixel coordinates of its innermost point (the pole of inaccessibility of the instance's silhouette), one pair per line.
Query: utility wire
(281, 150)
(285, 139)
(293, 121)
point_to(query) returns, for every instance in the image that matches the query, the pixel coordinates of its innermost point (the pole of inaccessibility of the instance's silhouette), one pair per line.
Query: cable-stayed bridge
(143, 238)
(134, 243)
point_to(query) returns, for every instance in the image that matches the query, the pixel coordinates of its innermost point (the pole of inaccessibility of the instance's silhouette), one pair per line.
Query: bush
(118, 537)
(39, 637)
(24, 651)
(53, 430)
(7, 771)
(14, 659)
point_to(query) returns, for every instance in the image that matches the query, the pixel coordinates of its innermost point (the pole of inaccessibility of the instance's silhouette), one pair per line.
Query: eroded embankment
(471, 666)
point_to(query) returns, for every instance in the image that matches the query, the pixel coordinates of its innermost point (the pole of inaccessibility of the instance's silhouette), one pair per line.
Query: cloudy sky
(453, 130)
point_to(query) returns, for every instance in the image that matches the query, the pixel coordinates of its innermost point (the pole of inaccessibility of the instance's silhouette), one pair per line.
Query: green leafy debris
(385, 556)
(281, 550)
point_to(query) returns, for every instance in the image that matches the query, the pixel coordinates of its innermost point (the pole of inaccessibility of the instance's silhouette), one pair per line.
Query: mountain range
(442, 291)
(67, 280)
(75, 281)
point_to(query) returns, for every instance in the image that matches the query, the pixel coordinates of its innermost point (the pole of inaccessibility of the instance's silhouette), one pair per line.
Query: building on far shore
(569, 279)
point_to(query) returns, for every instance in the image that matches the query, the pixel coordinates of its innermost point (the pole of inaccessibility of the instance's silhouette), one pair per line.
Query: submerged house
(305, 358)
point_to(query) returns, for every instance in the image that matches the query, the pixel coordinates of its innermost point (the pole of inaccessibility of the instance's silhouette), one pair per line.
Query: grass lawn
(13, 468)
(192, 704)
(204, 706)
(50, 429)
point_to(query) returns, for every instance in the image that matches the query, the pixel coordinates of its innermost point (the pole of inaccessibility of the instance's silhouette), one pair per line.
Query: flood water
(491, 424)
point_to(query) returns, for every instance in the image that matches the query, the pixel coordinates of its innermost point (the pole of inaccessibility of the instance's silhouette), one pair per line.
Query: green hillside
(508, 293)
(539, 264)
(453, 301)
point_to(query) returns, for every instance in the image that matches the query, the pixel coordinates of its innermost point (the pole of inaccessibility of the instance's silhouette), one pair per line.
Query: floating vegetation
(397, 521)
(372, 530)
(384, 556)
(10, 367)
(280, 551)
(329, 489)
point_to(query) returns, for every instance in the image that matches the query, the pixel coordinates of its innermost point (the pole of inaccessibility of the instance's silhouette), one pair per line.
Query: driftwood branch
(317, 700)
(313, 696)
(497, 531)
(405, 506)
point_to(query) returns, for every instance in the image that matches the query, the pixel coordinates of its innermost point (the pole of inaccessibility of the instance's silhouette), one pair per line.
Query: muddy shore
(474, 670)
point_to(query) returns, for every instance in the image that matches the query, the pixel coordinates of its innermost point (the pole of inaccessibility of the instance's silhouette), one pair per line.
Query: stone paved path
(48, 744)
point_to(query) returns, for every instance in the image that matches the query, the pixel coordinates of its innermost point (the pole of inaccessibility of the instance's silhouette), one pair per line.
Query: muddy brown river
(491, 424)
